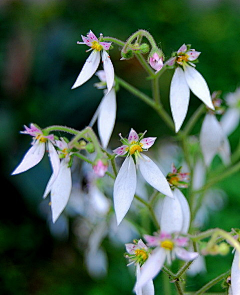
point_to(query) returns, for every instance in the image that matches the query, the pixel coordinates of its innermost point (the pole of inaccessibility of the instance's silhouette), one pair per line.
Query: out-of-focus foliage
(39, 62)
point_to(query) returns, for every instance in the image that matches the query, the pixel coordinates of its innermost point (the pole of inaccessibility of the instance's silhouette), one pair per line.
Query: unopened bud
(144, 47)
(100, 167)
(155, 59)
(90, 147)
(127, 55)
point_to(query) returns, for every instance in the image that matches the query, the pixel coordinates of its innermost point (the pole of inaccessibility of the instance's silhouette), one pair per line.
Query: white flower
(186, 78)
(60, 187)
(93, 61)
(126, 181)
(235, 275)
(213, 140)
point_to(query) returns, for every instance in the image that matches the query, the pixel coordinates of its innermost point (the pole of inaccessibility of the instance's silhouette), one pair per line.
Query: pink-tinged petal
(198, 85)
(108, 69)
(192, 54)
(152, 241)
(147, 142)
(172, 216)
(235, 275)
(133, 136)
(105, 45)
(181, 241)
(141, 245)
(33, 130)
(171, 61)
(179, 98)
(89, 68)
(185, 210)
(131, 248)
(124, 188)
(230, 120)
(151, 267)
(185, 255)
(33, 156)
(91, 36)
(211, 138)
(120, 151)
(107, 117)
(86, 41)
(182, 49)
(61, 189)
(152, 174)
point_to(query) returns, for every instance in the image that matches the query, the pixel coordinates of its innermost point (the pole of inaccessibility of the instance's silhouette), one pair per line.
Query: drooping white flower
(186, 78)
(235, 275)
(213, 140)
(126, 181)
(93, 61)
(168, 247)
(60, 187)
(35, 154)
(138, 254)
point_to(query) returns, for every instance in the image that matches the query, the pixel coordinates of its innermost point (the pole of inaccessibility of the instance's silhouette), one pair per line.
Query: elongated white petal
(179, 98)
(148, 288)
(109, 70)
(61, 189)
(185, 210)
(211, 137)
(172, 216)
(151, 267)
(152, 174)
(55, 163)
(184, 254)
(33, 156)
(230, 120)
(107, 117)
(124, 188)
(89, 68)
(235, 275)
(198, 85)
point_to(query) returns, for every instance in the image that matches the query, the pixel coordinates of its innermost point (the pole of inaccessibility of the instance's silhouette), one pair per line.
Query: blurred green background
(39, 62)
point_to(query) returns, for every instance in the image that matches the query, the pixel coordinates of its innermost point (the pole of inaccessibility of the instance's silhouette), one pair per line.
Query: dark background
(39, 62)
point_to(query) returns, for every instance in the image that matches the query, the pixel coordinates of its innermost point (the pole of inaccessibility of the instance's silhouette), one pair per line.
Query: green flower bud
(127, 55)
(90, 147)
(223, 249)
(144, 48)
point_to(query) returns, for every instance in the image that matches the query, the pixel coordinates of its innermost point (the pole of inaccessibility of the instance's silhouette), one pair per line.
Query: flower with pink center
(93, 61)
(186, 78)
(126, 180)
(167, 247)
(156, 61)
(35, 154)
(176, 178)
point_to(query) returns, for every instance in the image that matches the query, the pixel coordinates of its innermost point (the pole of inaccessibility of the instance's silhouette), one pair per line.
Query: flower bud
(90, 147)
(127, 55)
(223, 249)
(144, 48)
(100, 167)
(155, 59)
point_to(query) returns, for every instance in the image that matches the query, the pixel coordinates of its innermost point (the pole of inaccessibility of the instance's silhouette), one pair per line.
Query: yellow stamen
(142, 254)
(135, 147)
(41, 138)
(167, 244)
(174, 180)
(65, 152)
(182, 58)
(96, 46)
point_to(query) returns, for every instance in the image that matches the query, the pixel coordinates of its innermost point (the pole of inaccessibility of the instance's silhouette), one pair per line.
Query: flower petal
(33, 156)
(198, 85)
(133, 136)
(230, 120)
(147, 142)
(152, 174)
(185, 210)
(151, 267)
(89, 68)
(120, 151)
(109, 70)
(107, 117)
(179, 97)
(185, 255)
(235, 275)
(211, 137)
(148, 288)
(61, 189)
(124, 188)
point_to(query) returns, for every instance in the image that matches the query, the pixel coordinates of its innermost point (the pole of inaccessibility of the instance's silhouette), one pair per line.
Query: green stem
(113, 40)
(194, 118)
(144, 64)
(156, 91)
(60, 128)
(178, 287)
(212, 283)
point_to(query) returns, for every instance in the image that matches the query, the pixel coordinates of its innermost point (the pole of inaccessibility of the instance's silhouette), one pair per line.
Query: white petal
(179, 97)
(61, 189)
(151, 267)
(184, 254)
(96, 263)
(211, 137)
(235, 275)
(230, 120)
(172, 216)
(109, 70)
(225, 151)
(198, 85)
(152, 174)
(124, 188)
(185, 210)
(107, 117)
(148, 288)
(89, 68)
(33, 156)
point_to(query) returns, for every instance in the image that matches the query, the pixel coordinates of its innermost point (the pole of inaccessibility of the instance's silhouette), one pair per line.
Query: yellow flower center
(65, 152)
(167, 244)
(174, 180)
(96, 46)
(182, 58)
(41, 138)
(141, 254)
(135, 147)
